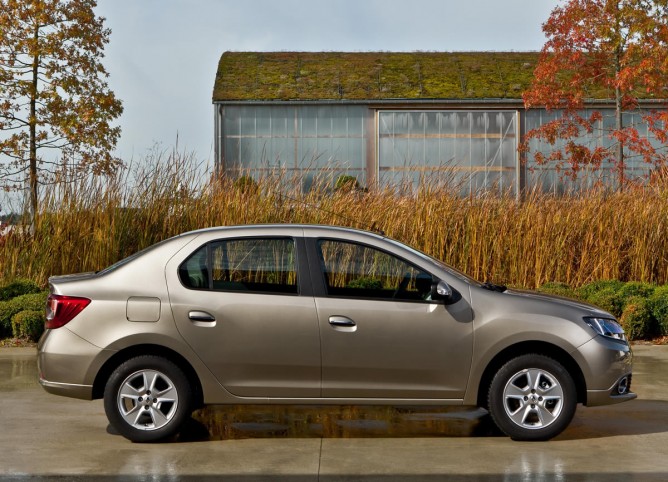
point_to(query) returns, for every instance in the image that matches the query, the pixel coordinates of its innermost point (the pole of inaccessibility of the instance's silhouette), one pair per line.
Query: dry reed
(88, 224)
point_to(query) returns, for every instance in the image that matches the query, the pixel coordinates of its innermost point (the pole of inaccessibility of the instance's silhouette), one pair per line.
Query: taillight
(61, 309)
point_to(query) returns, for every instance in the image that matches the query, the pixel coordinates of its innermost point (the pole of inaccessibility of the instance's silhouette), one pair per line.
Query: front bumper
(605, 364)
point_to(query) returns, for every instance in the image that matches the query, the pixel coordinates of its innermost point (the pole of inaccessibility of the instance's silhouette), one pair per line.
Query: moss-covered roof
(372, 75)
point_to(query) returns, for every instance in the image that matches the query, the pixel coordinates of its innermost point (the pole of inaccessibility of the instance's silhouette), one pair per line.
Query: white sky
(163, 54)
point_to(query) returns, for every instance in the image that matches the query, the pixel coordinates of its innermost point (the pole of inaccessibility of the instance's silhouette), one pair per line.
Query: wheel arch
(524, 348)
(148, 349)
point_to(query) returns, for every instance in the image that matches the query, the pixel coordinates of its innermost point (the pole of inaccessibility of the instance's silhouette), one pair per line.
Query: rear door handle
(201, 316)
(342, 323)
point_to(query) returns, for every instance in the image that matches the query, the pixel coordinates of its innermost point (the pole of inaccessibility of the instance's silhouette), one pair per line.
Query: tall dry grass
(88, 224)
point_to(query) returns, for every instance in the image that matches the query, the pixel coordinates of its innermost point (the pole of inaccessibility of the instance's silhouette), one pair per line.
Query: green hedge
(659, 304)
(17, 288)
(30, 302)
(641, 308)
(637, 320)
(28, 324)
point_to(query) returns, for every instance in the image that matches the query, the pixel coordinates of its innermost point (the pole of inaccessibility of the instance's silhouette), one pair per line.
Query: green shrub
(586, 291)
(659, 304)
(559, 289)
(347, 183)
(17, 288)
(29, 302)
(366, 283)
(637, 319)
(607, 299)
(635, 288)
(28, 324)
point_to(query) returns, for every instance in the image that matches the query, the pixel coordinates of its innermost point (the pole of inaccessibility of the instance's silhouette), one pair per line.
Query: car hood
(559, 300)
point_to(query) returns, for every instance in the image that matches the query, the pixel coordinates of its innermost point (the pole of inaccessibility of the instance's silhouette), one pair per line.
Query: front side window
(359, 271)
(255, 265)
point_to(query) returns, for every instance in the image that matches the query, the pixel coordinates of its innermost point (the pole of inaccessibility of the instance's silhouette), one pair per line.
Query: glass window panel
(385, 123)
(263, 122)
(415, 154)
(478, 154)
(449, 122)
(339, 122)
(358, 271)
(357, 153)
(447, 151)
(462, 151)
(308, 152)
(282, 152)
(263, 151)
(432, 151)
(464, 123)
(494, 153)
(508, 152)
(194, 271)
(403, 123)
(232, 121)
(247, 152)
(496, 122)
(232, 152)
(308, 121)
(324, 121)
(254, 265)
(356, 119)
(479, 123)
(247, 121)
(282, 121)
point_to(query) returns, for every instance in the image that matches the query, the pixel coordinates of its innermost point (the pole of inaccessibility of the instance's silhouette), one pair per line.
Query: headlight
(606, 327)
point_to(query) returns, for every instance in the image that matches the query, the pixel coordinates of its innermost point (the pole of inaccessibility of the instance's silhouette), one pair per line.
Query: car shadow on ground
(638, 417)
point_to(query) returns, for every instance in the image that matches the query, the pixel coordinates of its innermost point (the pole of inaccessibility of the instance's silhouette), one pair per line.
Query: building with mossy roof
(386, 118)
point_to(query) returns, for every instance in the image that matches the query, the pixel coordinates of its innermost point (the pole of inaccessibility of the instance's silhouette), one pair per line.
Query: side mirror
(441, 291)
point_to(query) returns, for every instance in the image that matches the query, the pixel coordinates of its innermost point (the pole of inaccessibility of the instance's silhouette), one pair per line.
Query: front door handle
(201, 316)
(342, 323)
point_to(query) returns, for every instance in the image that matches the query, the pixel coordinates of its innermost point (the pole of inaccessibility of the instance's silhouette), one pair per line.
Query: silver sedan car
(301, 314)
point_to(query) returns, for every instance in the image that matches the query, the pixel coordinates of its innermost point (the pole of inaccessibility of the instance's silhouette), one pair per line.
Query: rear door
(244, 305)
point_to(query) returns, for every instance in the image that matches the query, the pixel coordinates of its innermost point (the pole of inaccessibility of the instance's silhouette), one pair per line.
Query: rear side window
(265, 265)
(194, 272)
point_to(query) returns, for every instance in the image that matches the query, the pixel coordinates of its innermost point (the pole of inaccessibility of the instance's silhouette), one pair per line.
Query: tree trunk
(32, 169)
(619, 120)
(619, 124)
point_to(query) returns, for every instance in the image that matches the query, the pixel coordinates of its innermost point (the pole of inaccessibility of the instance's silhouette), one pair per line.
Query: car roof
(308, 228)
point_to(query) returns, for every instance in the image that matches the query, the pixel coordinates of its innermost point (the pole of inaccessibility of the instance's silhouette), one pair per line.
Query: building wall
(471, 149)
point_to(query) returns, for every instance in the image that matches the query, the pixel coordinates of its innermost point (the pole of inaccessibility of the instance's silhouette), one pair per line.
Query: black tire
(148, 399)
(532, 397)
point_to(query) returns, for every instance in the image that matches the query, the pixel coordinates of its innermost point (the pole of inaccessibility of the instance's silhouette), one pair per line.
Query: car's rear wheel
(147, 399)
(532, 397)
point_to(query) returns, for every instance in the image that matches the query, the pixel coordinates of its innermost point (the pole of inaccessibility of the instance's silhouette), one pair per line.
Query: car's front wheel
(532, 397)
(147, 398)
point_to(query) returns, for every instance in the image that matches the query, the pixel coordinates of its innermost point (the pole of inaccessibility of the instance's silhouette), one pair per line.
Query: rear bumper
(66, 362)
(84, 392)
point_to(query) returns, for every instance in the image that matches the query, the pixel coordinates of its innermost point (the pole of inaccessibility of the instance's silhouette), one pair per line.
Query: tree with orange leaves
(605, 49)
(54, 97)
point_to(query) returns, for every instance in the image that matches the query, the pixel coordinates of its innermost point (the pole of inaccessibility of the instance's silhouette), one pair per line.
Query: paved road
(50, 437)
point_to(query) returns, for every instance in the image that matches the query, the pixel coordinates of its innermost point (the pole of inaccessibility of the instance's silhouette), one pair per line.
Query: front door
(382, 335)
(237, 303)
